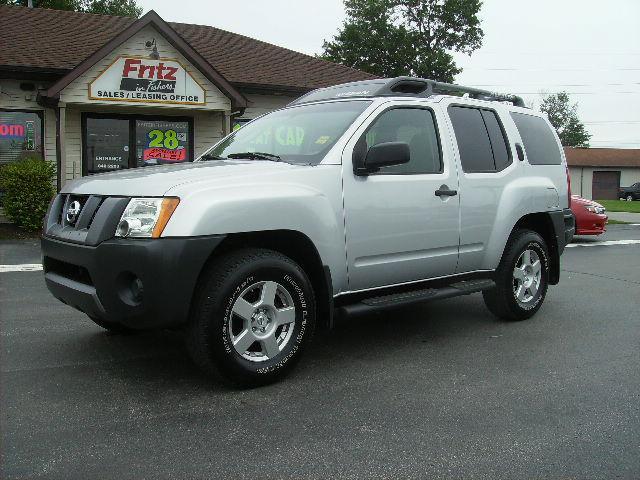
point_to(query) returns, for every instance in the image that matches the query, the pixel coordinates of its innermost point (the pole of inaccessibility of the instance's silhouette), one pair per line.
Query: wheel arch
(295, 245)
(542, 224)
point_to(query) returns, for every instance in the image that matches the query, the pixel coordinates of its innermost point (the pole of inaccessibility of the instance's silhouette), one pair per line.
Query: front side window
(301, 135)
(539, 141)
(20, 135)
(417, 128)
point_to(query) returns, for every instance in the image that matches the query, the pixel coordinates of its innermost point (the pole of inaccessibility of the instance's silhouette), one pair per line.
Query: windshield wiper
(256, 156)
(210, 156)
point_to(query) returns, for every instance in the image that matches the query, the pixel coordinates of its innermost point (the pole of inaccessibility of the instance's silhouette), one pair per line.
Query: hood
(158, 180)
(583, 201)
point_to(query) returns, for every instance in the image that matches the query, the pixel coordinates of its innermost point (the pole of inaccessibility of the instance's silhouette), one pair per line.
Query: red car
(590, 216)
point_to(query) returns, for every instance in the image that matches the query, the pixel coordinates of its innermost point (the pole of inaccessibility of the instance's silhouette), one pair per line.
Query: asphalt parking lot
(444, 390)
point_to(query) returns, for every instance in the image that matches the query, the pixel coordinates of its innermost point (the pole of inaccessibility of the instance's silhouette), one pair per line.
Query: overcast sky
(589, 48)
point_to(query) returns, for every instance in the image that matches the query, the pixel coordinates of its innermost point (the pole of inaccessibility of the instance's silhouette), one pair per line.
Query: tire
(629, 198)
(519, 295)
(252, 317)
(113, 327)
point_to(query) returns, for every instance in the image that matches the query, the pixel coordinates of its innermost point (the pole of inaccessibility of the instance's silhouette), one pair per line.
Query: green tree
(406, 37)
(563, 115)
(123, 8)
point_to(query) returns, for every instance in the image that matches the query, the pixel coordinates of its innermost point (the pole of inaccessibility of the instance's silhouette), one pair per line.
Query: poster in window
(20, 135)
(161, 142)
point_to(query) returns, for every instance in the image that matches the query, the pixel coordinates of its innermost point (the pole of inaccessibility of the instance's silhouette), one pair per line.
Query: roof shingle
(602, 157)
(55, 39)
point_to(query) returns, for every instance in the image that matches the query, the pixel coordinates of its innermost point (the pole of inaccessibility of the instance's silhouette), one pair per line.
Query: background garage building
(96, 93)
(598, 173)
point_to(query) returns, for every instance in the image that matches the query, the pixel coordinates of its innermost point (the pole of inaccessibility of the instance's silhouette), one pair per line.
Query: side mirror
(378, 156)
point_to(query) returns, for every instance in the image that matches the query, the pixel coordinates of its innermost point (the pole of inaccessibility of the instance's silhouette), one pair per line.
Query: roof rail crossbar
(404, 86)
(425, 88)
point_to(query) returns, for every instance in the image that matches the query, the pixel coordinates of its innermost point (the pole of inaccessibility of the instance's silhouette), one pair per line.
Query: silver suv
(355, 198)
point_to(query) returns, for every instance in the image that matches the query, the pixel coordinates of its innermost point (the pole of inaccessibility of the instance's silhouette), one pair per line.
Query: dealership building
(95, 93)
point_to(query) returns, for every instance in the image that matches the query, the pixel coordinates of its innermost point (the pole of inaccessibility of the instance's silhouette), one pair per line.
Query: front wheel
(522, 278)
(252, 317)
(629, 198)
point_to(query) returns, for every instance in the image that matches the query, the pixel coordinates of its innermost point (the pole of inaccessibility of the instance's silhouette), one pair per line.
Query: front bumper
(140, 283)
(591, 224)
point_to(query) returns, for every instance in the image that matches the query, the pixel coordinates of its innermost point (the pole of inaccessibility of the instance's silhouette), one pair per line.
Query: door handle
(444, 191)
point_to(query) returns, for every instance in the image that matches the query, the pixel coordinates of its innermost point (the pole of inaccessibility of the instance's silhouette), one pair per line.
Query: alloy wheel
(262, 322)
(527, 276)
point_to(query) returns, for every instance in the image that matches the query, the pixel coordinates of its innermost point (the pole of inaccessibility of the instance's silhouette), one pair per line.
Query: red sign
(136, 67)
(11, 130)
(165, 154)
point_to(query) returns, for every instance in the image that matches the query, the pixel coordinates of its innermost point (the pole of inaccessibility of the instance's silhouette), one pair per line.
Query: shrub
(27, 190)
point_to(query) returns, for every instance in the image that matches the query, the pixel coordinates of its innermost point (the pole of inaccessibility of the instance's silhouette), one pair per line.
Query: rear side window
(501, 154)
(481, 140)
(414, 126)
(538, 139)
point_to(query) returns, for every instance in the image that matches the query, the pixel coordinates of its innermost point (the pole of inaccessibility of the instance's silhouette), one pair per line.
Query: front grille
(78, 211)
(84, 219)
(67, 270)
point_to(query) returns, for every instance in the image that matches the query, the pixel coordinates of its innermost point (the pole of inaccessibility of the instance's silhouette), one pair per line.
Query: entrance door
(115, 142)
(605, 185)
(397, 229)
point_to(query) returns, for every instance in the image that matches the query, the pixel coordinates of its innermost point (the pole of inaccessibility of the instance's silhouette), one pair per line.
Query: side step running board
(385, 302)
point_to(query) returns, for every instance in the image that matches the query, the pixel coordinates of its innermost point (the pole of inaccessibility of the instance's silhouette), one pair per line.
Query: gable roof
(151, 18)
(58, 41)
(602, 157)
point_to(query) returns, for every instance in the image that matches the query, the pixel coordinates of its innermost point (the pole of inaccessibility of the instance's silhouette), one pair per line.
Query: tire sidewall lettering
(533, 245)
(302, 314)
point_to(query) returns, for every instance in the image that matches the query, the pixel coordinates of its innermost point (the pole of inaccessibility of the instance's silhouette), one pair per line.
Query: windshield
(301, 135)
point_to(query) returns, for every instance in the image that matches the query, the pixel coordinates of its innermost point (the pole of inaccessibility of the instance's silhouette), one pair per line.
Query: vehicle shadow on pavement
(160, 357)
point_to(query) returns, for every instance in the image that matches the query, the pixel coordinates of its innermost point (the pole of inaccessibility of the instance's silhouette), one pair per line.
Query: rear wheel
(252, 317)
(629, 198)
(521, 278)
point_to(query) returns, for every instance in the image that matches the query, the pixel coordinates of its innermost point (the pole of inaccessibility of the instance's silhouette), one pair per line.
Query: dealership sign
(138, 79)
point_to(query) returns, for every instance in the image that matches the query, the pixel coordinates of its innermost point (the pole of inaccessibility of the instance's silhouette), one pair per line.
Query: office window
(20, 135)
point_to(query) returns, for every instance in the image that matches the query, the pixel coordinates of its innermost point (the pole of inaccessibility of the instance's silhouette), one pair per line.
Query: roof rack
(403, 87)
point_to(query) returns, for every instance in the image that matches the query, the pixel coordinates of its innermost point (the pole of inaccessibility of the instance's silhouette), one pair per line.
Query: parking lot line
(25, 267)
(605, 243)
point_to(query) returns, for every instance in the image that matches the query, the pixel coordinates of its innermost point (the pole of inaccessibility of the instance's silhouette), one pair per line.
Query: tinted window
(414, 126)
(161, 141)
(501, 154)
(20, 135)
(107, 144)
(473, 141)
(539, 142)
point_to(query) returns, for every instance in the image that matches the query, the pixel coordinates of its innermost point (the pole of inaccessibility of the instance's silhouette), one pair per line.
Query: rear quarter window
(539, 141)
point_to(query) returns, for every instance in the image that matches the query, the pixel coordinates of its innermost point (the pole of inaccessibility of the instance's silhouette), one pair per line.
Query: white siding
(261, 104)
(73, 145)
(208, 128)
(78, 90)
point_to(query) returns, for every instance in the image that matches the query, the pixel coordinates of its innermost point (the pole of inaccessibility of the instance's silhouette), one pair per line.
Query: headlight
(146, 217)
(595, 209)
